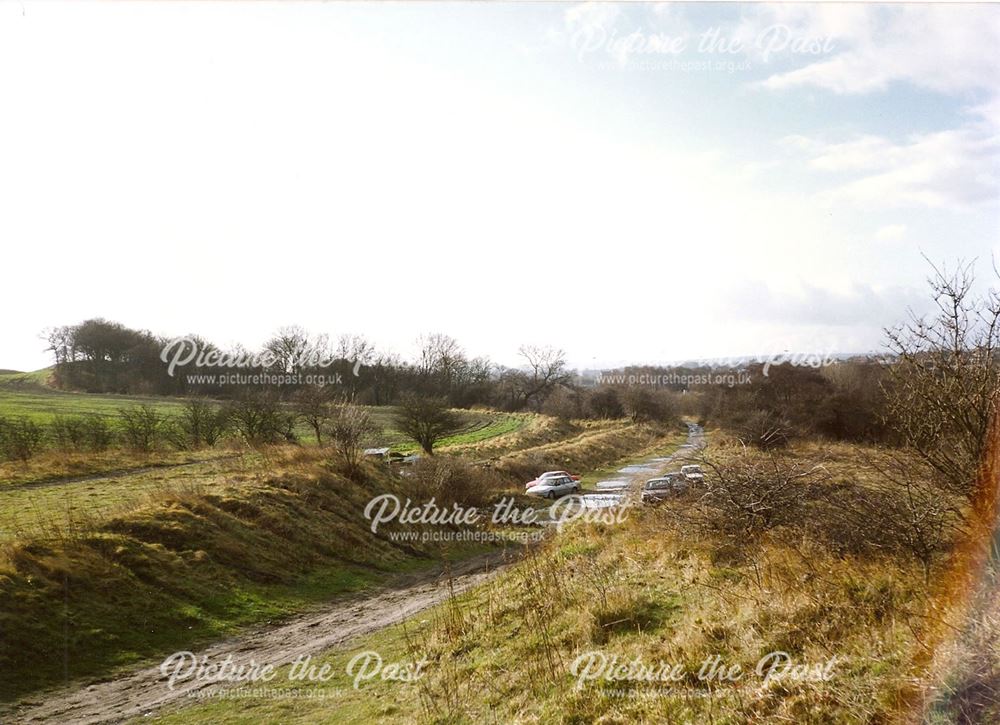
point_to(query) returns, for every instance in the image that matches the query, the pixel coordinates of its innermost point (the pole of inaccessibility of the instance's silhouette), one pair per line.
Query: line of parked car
(671, 484)
(553, 484)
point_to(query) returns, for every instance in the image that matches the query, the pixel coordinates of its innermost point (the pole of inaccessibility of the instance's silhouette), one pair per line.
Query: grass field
(181, 547)
(648, 590)
(184, 555)
(29, 395)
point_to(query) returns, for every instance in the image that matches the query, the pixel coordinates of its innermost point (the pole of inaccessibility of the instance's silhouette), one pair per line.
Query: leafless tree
(314, 405)
(287, 347)
(546, 370)
(944, 377)
(350, 427)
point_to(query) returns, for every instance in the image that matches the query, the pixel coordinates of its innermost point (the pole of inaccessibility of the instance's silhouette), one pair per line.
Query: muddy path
(146, 691)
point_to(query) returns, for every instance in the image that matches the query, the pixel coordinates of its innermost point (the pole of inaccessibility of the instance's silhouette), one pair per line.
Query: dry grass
(652, 592)
(185, 564)
(657, 590)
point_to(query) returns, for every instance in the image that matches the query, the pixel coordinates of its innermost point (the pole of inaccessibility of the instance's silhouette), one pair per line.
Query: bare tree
(350, 427)
(944, 376)
(313, 404)
(425, 420)
(546, 370)
(287, 347)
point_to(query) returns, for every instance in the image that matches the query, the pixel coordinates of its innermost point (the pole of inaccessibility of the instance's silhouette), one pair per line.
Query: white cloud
(953, 169)
(947, 48)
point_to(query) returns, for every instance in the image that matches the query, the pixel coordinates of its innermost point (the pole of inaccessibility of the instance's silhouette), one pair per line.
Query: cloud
(860, 305)
(947, 49)
(952, 169)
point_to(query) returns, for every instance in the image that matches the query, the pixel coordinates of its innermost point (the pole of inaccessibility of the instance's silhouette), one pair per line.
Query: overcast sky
(526, 173)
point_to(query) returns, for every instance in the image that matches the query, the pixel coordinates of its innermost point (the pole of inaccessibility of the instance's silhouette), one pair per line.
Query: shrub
(260, 420)
(753, 492)
(199, 424)
(452, 480)
(20, 438)
(349, 427)
(141, 427)
(68, 434)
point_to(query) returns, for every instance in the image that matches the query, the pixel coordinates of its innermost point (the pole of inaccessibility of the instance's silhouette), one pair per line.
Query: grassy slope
(186, 567)
(651, 589)
(131, 566)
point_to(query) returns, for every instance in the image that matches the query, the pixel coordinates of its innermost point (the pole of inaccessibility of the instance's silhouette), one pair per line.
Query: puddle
(611, 485)
(638, 468)
(598, 501)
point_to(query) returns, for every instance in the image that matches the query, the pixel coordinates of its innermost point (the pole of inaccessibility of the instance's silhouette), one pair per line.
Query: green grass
(476, 426)
(42, 405)
(45, 512)
(189, 564)
(28, 395)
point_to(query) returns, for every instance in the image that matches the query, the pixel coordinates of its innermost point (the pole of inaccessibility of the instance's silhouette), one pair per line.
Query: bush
(349, 427)
(142, 427)
(98, 433)
(199, 424)
(604, 402)
(260, 420)
(753, 492)
(452, 480)
(68, 434)
(20, 438)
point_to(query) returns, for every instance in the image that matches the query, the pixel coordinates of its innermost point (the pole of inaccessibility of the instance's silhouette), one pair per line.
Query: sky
(631, 183)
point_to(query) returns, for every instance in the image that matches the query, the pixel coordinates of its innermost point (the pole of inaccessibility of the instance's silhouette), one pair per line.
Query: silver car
(693, 473)
(667, 485)
(553, 487)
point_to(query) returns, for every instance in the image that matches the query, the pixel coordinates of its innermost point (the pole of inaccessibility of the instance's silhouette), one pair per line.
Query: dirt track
(146, 690)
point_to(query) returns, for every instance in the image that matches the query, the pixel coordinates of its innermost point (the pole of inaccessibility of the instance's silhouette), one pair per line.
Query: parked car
(658, 489)
(553, 487)
(693, 473)
(549, 474)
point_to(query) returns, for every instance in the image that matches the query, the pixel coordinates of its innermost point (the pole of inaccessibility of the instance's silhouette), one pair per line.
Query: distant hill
(16, 378)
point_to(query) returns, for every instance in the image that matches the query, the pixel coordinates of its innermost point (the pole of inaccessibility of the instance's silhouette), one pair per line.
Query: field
(58, 492)
(215, 540)
(28, 395)
(651, 590)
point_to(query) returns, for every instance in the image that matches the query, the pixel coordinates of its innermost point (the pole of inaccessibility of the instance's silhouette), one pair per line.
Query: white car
(693, 473)
(547, 475)
(553, 487)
